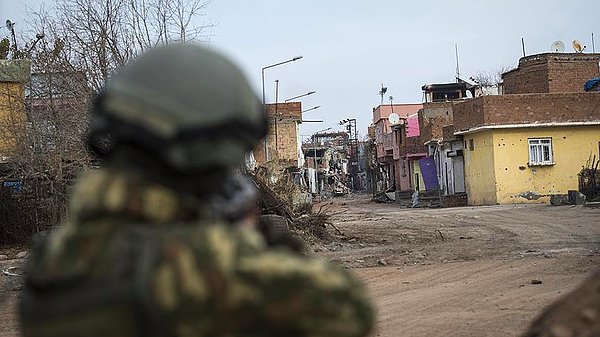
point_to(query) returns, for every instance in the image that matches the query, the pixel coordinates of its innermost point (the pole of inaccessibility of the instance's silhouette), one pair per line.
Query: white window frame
(540, 151)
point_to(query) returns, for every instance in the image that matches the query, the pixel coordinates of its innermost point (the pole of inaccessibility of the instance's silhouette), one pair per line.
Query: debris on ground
(12, 271)
(279, 194)
(385, 197)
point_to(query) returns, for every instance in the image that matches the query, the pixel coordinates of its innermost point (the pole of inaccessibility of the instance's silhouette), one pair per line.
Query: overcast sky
(351, 47)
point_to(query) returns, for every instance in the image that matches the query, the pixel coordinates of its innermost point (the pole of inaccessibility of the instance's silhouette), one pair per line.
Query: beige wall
(480, 179)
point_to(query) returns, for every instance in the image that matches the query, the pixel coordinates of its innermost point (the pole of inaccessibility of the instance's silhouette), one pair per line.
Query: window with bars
(540, 151)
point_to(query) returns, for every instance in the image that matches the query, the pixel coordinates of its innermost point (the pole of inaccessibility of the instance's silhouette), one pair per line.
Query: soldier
(145, 251)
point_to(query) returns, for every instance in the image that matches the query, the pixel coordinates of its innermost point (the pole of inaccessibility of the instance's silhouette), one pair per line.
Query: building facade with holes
(531, 142)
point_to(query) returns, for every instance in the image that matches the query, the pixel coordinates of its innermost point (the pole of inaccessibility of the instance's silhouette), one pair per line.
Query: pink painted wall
(381, 113)
(382, 124)
(413, 126)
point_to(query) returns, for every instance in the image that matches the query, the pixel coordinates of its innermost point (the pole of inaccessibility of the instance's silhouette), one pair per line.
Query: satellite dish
(578, 46)
(558, 47)
(394, 118)
(9, 25)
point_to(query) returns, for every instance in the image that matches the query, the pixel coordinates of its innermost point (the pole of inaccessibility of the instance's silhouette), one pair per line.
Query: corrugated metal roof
(15, 70)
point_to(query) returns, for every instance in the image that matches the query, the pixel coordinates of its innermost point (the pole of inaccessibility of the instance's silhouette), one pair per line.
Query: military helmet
(183, 104)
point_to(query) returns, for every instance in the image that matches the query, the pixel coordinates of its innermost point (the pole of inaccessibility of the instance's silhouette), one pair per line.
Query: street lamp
(313, 108)
(263, 94)
(295, 97)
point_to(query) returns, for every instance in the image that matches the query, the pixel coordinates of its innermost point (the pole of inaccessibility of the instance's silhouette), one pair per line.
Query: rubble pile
(275, 196)
(279, 195)
(312, 226)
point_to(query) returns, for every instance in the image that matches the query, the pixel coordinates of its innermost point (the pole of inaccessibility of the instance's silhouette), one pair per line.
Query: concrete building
(281, 145)
(451, 167)
(531, 142)
(446, 151)
(443, 92)
(327, 155)
(435, 121)
(396, 171)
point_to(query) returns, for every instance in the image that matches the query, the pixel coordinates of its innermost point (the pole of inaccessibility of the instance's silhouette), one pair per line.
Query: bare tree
(84, 42)
(490, 78)
(102, 36)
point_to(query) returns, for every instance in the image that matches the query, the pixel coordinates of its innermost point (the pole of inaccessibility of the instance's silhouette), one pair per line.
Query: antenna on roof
(382, 92)
(523, 45)
(593, 44)
(457, 64)
(557, 47)
(579, 48)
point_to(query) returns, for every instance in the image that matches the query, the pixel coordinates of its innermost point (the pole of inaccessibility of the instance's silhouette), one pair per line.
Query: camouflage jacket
(134, 259)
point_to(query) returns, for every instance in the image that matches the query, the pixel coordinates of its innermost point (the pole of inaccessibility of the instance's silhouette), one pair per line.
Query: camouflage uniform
(140, 258)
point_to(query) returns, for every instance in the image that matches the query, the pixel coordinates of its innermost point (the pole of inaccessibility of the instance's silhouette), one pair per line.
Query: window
(471, 144)
(540, 151)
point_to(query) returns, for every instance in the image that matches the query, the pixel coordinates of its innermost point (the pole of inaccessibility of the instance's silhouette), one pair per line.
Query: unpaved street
(464, 271)
(446, 272)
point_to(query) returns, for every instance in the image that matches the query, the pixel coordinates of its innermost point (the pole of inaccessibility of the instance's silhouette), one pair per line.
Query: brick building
(551, 73)
(281, 143)
(531, 142)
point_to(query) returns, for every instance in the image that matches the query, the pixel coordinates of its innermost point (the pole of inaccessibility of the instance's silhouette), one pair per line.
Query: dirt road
(447, 272)
(464, 271)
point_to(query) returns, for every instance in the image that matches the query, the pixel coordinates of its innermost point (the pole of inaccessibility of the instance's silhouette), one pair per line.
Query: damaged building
(532, 141)
(281, 144)
(326, 160)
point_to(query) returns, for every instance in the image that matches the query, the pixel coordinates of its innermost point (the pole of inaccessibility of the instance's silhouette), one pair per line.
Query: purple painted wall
(428, 170)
